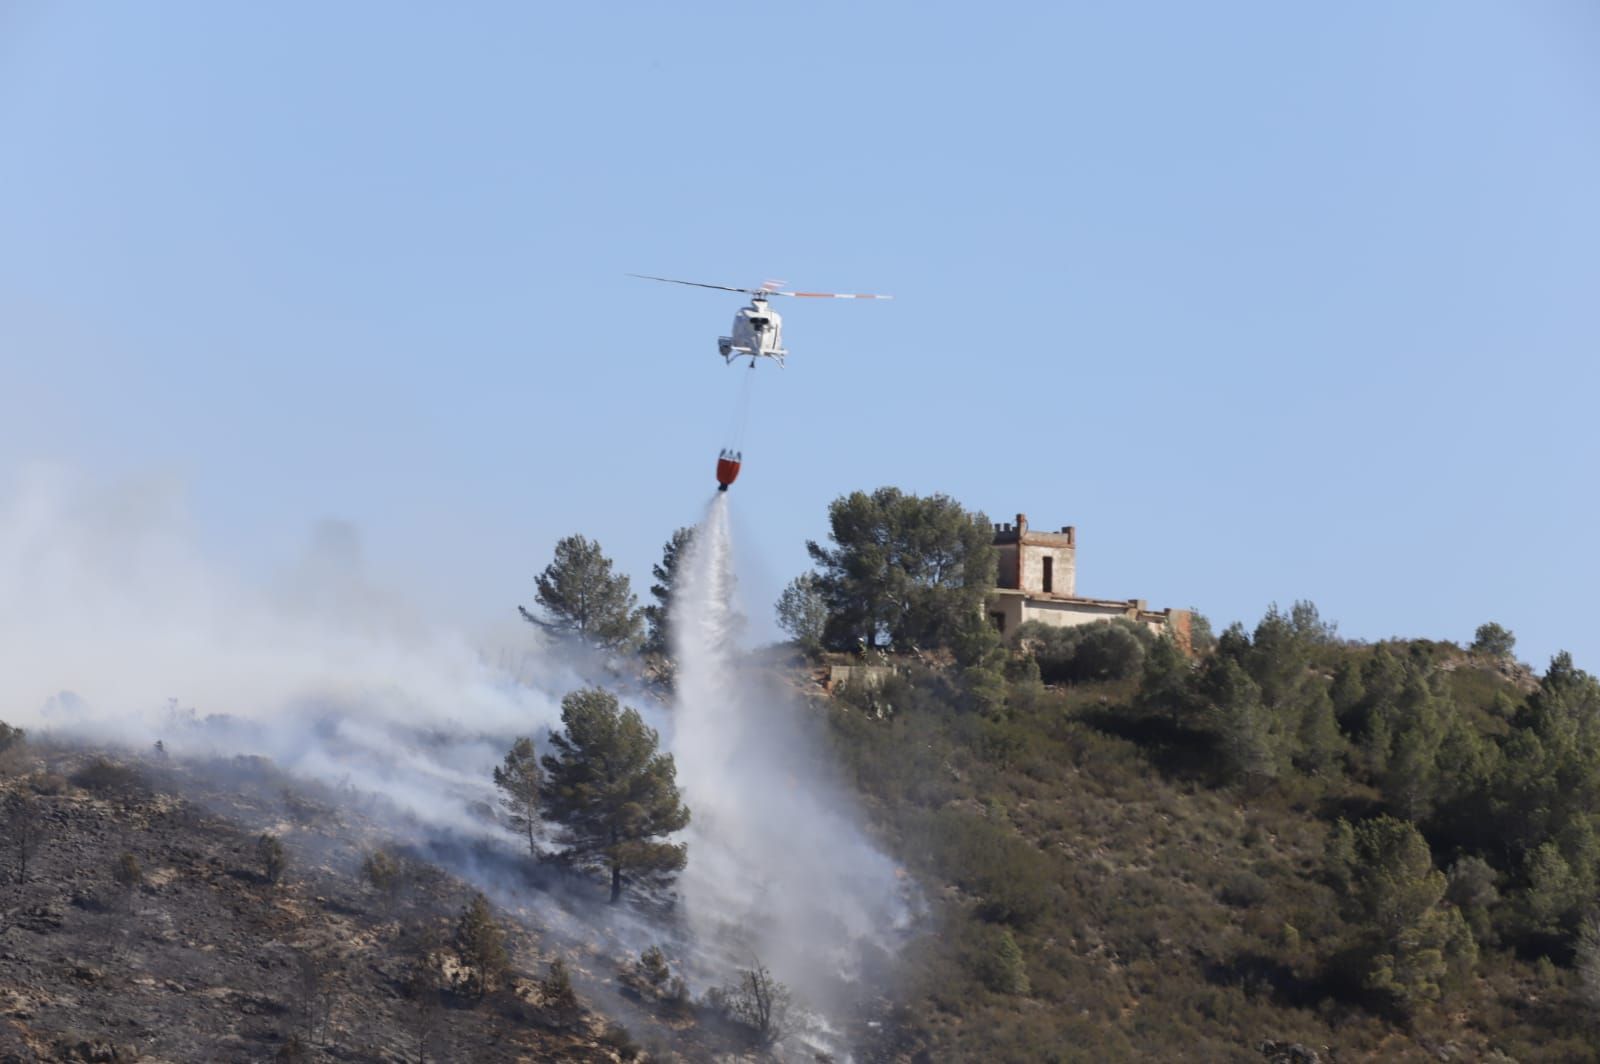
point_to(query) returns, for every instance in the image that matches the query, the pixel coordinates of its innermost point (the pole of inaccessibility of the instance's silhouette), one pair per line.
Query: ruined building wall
(1025, 557)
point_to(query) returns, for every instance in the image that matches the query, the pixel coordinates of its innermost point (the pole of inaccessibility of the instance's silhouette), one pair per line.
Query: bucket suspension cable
(740, 420)
(732, 456)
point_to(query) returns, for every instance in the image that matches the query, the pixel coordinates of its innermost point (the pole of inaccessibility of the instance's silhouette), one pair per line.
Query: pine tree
(480, 944)
(1243, 726)
(560, 1000)
(1165, 683)
(1378, 742)
(1348, 695)
(658, 615)
(1547, 781)
(519, 780)
(1466, 768)
(1382, 677)
(1414, 943)
(1001, 965)
(1318, 739)
(909, 567)
(1278, 657)
(611, 791)
(1493, 641)
(803, 613)
(582, 597)
(1554, 894)
(1411, 771)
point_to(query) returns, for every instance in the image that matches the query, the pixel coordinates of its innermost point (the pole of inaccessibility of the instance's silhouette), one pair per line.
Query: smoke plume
(115, 627)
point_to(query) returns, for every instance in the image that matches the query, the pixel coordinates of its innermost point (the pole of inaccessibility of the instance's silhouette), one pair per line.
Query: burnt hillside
(139, 925)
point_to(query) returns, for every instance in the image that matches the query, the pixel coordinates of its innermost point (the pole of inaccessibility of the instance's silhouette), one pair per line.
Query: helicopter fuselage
(757, 333)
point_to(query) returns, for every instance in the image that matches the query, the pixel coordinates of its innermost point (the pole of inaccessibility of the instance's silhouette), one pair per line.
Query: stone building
(1038, 582)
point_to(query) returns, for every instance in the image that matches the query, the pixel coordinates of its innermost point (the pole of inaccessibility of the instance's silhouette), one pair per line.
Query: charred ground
(147, 926)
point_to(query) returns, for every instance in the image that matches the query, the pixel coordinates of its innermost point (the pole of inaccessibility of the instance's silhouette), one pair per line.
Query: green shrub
(1105, 650)
(1243, 889)
(480, 945)
(561, 1008)
(998, 963)
(1010, 879)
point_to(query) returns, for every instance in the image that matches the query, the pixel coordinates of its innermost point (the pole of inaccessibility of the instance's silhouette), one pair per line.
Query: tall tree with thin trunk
(519, 780)
(614, 795)
(582, 597)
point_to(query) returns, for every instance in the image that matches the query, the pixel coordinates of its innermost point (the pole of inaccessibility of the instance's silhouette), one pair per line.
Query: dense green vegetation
(1279, 837)
(1384, 849)
(903, 570)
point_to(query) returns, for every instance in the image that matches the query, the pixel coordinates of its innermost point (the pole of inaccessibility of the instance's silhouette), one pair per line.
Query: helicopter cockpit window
(760, 323)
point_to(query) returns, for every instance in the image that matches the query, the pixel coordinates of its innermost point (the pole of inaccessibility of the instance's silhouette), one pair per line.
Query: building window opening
(1049, 575)
(999, 620)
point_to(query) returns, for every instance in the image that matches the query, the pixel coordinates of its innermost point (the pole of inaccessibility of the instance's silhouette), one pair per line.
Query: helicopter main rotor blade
(829, 295)
(697, 284)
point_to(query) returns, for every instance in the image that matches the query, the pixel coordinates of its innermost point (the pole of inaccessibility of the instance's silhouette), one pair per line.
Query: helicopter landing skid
(729, 352)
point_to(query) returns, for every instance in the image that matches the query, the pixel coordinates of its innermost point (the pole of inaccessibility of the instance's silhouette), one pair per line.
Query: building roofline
(1081, 600)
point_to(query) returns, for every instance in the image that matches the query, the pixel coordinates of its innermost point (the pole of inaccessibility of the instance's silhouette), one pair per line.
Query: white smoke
(114, 626)
(778, 868)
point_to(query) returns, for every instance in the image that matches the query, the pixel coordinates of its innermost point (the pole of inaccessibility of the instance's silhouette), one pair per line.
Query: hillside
(1289, 847)
(200, 956)
(1114, 878)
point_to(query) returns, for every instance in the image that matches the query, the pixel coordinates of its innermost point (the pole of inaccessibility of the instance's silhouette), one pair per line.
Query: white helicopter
(757, 329)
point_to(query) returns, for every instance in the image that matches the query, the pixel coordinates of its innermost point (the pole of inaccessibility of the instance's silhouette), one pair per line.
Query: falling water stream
(779, 871)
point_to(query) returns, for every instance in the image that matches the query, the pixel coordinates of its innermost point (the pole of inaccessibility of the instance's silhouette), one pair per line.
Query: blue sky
(1271, 301)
